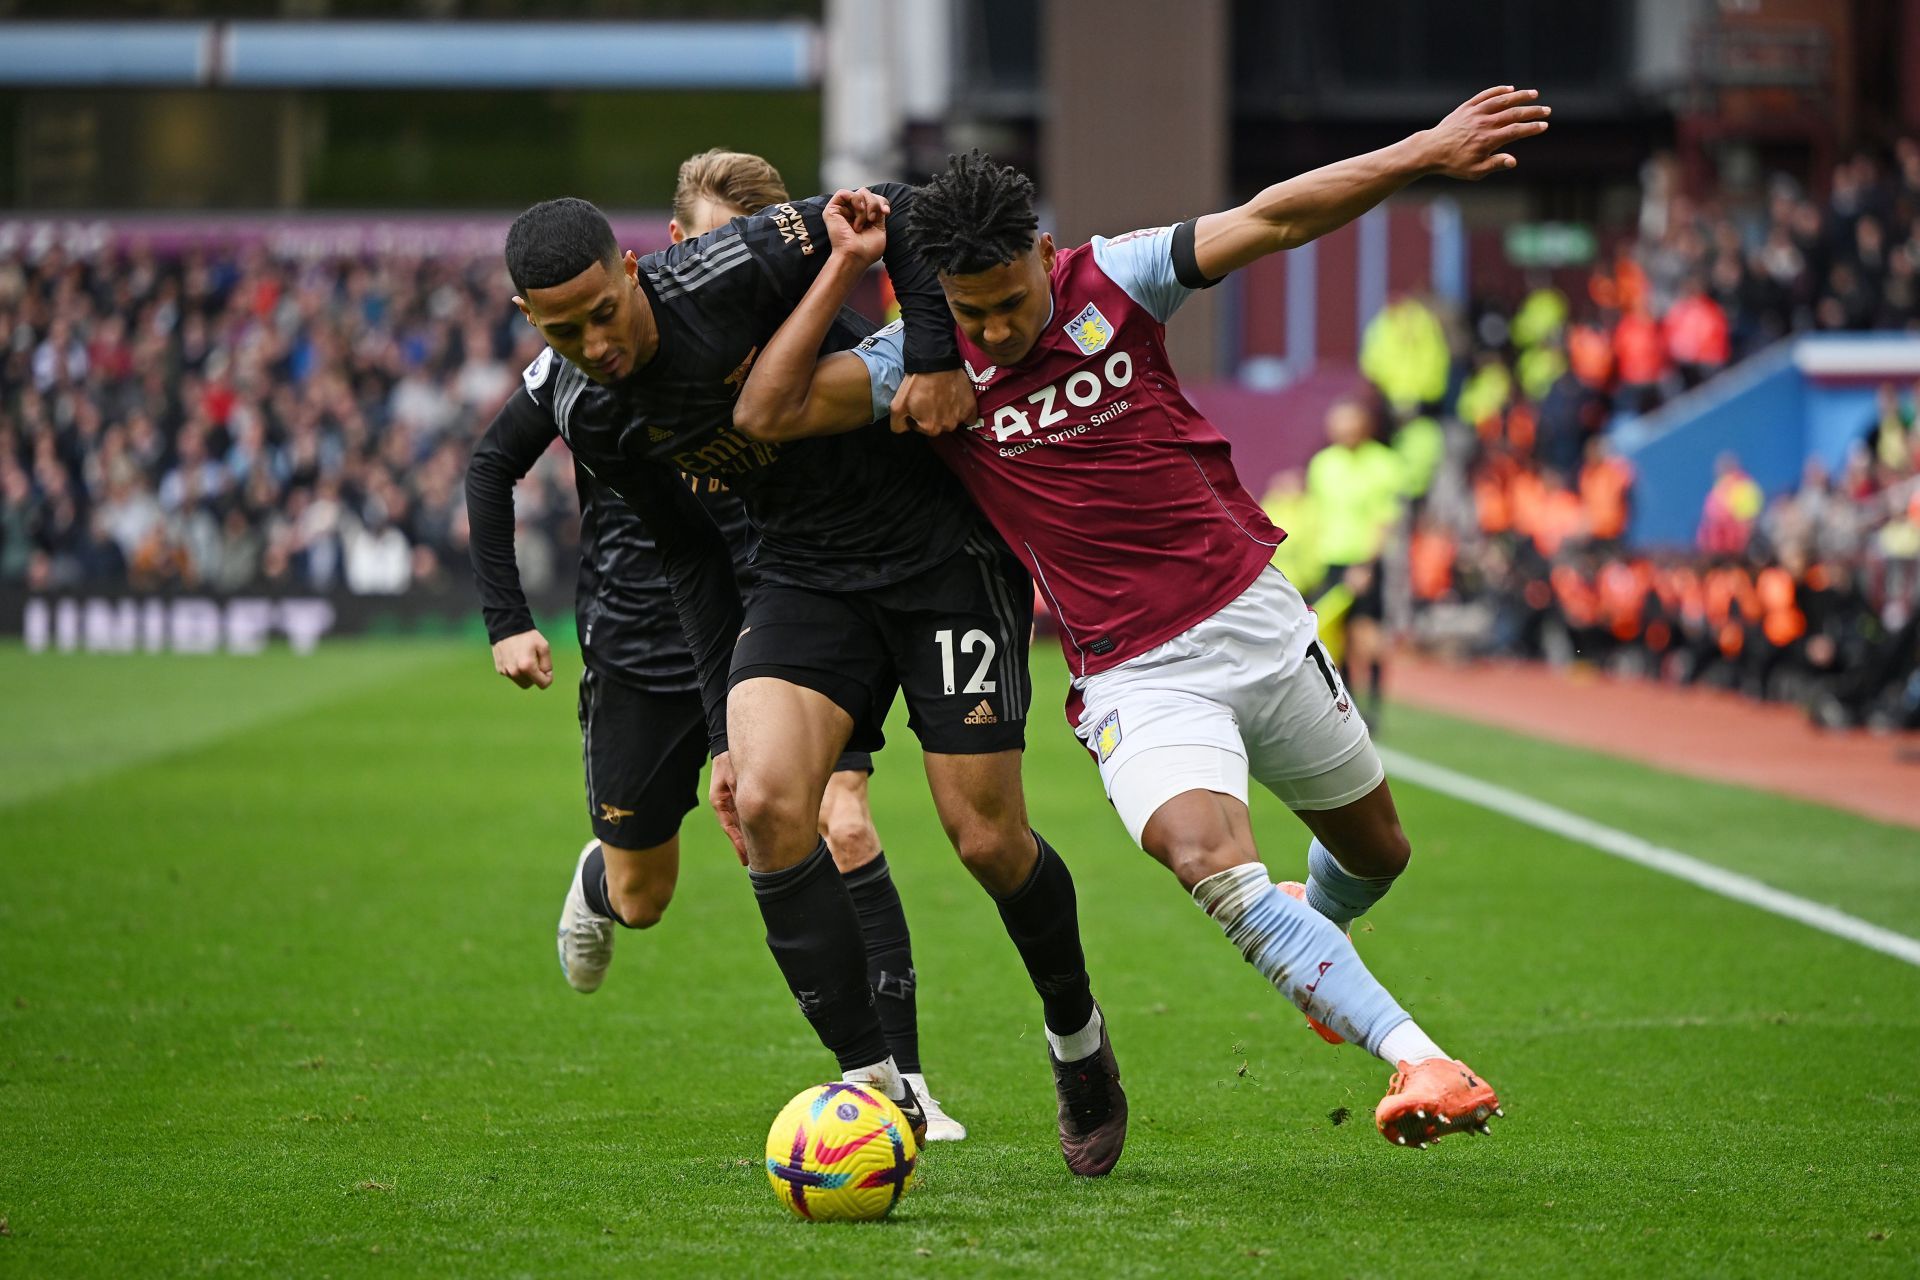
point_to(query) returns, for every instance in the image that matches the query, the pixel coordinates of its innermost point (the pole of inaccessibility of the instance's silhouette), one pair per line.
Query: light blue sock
(1301, 953)
(1336, 892)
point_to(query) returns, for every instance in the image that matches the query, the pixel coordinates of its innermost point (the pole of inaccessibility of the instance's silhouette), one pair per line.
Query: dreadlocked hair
(975, 216)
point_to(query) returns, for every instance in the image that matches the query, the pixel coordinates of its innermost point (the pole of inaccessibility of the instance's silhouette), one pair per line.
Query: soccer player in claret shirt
(874, 577)
(1195, 665)
(642, 729)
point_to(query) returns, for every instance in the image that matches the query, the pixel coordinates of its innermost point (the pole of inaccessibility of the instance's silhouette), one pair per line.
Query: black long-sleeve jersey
(837, 513)
(622, 604)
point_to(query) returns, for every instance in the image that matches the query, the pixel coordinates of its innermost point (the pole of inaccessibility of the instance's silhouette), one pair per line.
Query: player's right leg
(958, 635)
(1204, 836)
(1175, 768)
(642, 752)
(808, 674)
(1309, 746)
(846, 823)
(1206, 839)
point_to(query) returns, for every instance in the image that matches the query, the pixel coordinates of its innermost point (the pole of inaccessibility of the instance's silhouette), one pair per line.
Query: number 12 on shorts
(975, 639)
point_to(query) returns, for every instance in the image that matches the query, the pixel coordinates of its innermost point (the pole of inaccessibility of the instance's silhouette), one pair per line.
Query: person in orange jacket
(1606, 489)
(1697, 334)
(1640, 361)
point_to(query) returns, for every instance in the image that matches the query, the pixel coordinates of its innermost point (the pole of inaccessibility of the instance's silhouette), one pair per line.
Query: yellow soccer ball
(841, 1152)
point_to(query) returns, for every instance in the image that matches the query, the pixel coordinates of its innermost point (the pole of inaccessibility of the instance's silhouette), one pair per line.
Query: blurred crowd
(241, 421)
(237, 421)
(1515, 508)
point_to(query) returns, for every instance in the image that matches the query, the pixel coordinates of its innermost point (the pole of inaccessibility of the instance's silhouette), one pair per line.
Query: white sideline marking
(1728, 884)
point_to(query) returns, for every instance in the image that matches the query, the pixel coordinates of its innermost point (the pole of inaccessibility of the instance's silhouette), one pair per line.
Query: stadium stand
(245, 417)
(239, 419)
(1520, 543)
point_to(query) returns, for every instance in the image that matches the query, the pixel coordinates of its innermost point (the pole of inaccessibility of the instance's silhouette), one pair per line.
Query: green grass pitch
(278, 997)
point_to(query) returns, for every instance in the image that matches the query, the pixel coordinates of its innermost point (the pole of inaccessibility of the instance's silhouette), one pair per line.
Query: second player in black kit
(643, 732)
(870, 564)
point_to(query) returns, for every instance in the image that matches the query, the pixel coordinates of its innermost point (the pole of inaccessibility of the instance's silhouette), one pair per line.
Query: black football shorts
(952, 638)
(643, 752)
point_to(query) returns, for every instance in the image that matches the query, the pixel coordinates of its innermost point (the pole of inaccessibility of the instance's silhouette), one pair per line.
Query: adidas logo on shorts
(982, 714)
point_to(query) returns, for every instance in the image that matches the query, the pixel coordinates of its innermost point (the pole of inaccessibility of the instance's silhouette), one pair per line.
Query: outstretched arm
(792, 392)
(1467, 145)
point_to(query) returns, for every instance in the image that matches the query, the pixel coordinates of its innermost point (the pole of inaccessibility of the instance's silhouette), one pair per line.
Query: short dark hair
(556, 240)
(975, 216)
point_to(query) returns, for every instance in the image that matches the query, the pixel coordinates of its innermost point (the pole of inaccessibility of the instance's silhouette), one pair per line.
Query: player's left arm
(1468, 145)
(787, 239)
(935, 395)
(792, 392)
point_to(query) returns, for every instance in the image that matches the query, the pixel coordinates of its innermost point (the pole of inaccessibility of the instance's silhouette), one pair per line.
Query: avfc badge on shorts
(1089, 330)
(1107, 736)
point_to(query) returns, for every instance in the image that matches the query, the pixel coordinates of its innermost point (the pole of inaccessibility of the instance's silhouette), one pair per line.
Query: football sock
(1337, 893)
(593, 885)
(1301, 953)
(1083, 1043)
(1408, 1043)
(1043, 920)
(883, 926)
(814, 935)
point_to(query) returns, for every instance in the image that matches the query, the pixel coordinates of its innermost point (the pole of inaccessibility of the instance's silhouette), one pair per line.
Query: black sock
(593, 885)
(814, 935)
(1044, 923)
(883, 925)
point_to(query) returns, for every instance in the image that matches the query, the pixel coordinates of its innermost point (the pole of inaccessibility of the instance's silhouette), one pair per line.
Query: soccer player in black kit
(873, 576)
(643, 738)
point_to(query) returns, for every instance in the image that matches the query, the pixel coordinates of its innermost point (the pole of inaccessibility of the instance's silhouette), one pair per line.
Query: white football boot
(586, 936)
(941, 1127)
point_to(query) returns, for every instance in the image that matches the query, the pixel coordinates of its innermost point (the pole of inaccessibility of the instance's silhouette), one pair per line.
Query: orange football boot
(1294, 889)
(1431, 1099)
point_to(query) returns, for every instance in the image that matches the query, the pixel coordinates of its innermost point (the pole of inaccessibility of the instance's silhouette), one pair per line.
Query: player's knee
(639, 907)
(769, 810)
(1381, 855)
(852, 838)
(639, 900)
(1193, 856)
(1397, 851)
(998, 858)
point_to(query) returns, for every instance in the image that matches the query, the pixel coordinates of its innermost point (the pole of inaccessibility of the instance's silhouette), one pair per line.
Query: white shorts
(1247, 692)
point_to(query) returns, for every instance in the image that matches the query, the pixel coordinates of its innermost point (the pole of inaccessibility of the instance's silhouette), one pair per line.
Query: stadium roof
(412, 55)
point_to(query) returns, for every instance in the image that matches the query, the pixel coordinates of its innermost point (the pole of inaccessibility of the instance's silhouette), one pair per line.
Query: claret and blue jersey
(1119, 496)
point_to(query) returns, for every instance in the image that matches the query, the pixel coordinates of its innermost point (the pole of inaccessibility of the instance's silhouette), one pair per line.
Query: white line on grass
(1728, 884)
